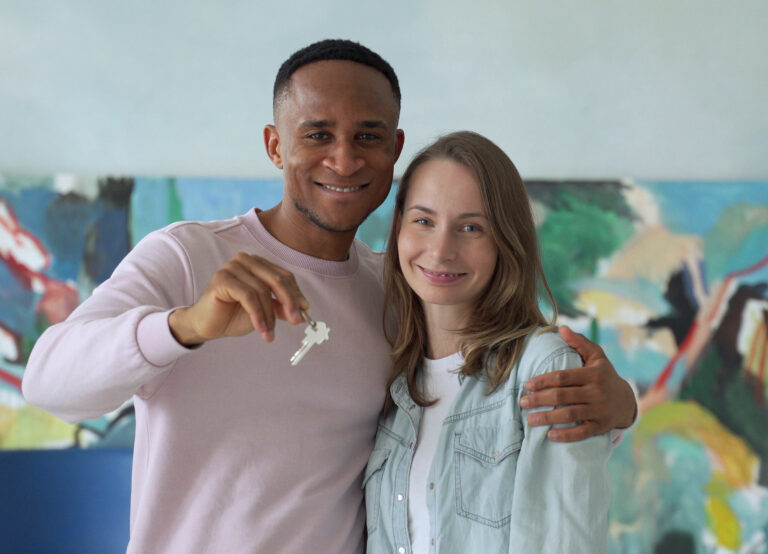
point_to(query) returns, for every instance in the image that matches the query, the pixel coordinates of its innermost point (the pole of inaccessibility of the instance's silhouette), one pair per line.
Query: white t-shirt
(440, 380)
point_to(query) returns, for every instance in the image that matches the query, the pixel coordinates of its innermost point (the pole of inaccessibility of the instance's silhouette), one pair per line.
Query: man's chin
(326, 225)
(336, 228)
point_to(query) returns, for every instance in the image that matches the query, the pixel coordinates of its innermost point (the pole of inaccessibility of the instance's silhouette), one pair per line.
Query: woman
(456, 468)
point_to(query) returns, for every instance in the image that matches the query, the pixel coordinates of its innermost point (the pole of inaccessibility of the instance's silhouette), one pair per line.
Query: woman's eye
(421, 221)
(471, 228)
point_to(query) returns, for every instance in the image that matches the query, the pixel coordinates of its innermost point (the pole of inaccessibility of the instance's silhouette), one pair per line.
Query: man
(236, 450)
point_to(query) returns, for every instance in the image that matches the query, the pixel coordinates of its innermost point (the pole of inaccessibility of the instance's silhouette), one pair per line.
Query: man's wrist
(631, 399)
(180, 331)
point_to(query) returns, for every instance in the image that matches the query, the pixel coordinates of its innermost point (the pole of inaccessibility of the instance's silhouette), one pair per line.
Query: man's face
(336, 139)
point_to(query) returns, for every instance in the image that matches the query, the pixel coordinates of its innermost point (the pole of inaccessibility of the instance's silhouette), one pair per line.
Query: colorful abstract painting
(671, 278)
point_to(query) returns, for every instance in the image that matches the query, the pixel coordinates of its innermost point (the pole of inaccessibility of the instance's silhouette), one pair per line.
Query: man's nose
(344, 158)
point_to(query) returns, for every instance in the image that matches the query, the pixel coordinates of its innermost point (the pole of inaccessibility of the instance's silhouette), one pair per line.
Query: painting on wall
(670, 278)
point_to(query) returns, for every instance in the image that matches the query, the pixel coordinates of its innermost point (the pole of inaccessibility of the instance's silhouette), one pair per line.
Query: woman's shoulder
(545, 351)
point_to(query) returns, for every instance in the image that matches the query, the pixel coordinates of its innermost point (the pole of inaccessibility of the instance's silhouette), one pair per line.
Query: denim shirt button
(399, 497)
(401, 550)
(431, 486)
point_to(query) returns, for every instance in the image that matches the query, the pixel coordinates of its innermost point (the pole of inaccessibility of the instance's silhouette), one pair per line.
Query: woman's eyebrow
(421, 209)
(432, 212)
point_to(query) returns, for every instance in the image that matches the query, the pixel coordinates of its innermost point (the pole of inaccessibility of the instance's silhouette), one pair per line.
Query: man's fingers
(256, 298)
(253, 298)
(588, 350)
(280, 282)
(564, 414)
(561, 378)
(561, 396)
(247, 293)
(573, 434)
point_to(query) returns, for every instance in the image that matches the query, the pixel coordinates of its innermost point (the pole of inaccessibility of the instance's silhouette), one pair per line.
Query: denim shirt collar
(399, 391)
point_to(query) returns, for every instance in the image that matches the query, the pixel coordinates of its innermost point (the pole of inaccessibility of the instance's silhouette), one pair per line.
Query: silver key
(316, 332)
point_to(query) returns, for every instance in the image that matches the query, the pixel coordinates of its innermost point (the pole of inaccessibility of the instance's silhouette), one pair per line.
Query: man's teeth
(342, 189)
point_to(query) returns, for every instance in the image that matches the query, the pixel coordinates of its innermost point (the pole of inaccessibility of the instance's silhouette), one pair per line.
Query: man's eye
(320, 135)
(368, 136)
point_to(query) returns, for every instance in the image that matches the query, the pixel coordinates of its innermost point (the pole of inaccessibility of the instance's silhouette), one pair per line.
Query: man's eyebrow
(324, 123)
(317, 123)
(372, 124)
(430, 211)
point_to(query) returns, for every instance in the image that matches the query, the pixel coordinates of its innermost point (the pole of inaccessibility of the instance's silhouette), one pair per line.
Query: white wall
(588, 88)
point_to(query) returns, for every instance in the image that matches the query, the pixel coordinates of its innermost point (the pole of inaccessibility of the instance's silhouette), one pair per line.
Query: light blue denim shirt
(496, 484)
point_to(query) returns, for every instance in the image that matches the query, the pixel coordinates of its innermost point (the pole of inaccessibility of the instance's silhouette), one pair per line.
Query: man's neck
(302, 235)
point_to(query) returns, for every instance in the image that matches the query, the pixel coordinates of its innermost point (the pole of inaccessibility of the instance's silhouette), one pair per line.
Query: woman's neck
(443, 325)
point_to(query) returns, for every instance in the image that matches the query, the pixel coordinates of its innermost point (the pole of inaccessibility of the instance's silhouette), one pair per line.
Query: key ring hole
(311, 322)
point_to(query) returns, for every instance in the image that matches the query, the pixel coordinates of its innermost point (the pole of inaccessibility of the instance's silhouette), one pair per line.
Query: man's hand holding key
(248, 293)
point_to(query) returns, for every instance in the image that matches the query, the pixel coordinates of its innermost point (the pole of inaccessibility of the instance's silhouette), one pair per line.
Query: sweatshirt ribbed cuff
(156, 342)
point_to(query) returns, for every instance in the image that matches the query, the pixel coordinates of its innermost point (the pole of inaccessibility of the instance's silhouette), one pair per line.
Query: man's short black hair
(332, 49)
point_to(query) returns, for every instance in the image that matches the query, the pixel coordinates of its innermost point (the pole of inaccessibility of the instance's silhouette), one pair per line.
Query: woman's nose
(443, 245)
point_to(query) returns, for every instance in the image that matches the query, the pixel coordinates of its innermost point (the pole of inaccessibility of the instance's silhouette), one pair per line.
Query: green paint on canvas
(594, 331)
(728, 235)
(174, 202)
(607, 196)
(573, 238)
(732, 396)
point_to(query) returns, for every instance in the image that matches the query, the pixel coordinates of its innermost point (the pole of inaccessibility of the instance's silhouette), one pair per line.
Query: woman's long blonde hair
(508, 310)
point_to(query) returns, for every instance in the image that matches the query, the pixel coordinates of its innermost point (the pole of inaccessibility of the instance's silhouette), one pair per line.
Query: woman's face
(446, 251)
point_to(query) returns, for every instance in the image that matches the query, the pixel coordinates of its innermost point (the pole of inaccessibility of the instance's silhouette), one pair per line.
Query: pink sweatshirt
(236, 450)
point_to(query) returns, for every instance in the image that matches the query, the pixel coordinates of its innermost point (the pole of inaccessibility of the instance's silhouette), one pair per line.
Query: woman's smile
(441, 277)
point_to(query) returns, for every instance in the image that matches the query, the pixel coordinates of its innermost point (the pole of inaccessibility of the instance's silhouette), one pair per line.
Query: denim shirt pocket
(374, 472)
(485, 461)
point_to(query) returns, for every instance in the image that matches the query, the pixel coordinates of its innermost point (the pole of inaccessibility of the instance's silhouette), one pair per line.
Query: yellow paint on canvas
(735, 462)
(723, 523)
(30, 427)
(654, 253)
(610, 308)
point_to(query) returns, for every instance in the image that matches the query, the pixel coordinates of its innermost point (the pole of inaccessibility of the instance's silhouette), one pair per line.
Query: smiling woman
(446, 248)
(457, 466)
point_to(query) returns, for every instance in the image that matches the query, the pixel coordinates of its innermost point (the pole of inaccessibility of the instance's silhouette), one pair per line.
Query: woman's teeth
(442, 274)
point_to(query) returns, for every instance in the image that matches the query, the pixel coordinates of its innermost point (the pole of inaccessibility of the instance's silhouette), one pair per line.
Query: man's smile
(341, 188)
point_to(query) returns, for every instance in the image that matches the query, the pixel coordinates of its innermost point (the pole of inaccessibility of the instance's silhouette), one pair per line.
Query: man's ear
(399, 141)
(272, 144)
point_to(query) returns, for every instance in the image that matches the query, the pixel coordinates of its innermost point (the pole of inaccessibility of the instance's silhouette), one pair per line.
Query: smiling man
(236, 450)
